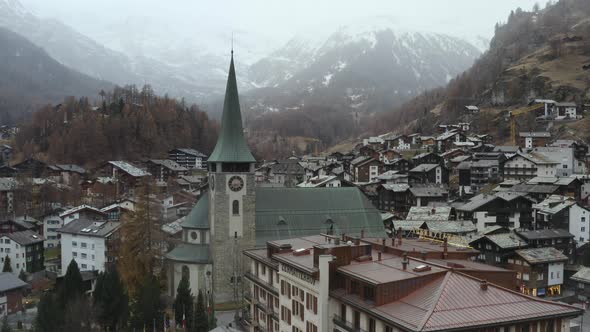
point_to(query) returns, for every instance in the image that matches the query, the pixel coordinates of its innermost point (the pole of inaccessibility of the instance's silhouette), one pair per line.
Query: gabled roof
(506, 240)
(456, 301)
(428, 191)
(83, 227)
(424, 168)
(541, 255)
(429, 213)
(451, 226)
(534, 134)
(583, 275)
(80, 208)
(129, 168)
(190, 151)
(545, 234)
(283, 213)
(25, 238)
(231, 145)
(170, 164)
(10, 281)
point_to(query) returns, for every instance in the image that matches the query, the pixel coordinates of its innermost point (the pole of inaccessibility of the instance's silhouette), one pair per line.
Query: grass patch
(52, 253)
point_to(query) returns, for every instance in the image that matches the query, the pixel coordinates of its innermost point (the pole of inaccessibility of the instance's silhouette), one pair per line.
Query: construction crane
(513, 115)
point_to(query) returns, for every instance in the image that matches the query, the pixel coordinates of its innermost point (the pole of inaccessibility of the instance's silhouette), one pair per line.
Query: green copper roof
(231, 145)
(190, 253)
(283, 213)
(199, 216)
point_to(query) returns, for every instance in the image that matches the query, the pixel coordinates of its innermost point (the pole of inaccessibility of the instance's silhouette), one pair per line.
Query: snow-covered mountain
(191, 79)
(364, 69)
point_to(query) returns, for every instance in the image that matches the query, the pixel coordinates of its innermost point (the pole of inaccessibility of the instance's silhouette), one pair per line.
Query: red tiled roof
(456, 301)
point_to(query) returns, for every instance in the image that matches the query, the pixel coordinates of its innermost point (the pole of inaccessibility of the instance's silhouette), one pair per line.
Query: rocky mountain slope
(29, 77)
(361, 69)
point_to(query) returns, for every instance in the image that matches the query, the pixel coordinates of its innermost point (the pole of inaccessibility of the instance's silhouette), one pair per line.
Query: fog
(259, 26)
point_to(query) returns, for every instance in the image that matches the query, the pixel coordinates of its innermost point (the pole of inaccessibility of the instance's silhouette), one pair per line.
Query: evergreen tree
(48, 314)
(72, 285)
(183, 303)
(201, 321)
(110, 300)
(5, 326)
(147, 308)
(7, 267)
(22, 275)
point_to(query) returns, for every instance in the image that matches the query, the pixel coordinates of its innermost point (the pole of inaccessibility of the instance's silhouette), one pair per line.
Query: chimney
(362, 233)
(393, 241)
(383, 244)
(379, 255)
(445, 249)
(337, 241)
(405, 261)
(484, 285)
(357, 241)
(343, 237)
(433, 211)
(399, 242)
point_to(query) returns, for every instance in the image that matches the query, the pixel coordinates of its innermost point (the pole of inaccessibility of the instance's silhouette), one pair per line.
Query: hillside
(29, 77)
(131, 124)
(540, 54)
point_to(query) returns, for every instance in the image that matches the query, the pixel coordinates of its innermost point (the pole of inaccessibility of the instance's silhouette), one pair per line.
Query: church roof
(199, 216)
(231, 145)
(191, 253)
(283, 213)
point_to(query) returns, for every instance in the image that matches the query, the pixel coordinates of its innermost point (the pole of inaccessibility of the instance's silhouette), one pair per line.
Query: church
(234, 214)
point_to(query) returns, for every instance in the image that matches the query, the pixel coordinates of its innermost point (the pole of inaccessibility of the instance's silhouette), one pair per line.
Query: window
(557, 274)
(540, 276)
(371, 325)
(551, 275)
(498, 259)
(309, 327)
(357, 320)
(17, 265)
(83, 244)
(235, 207)
(518, 275)
(75, 254)
(84, 266)
(74, 244)
(581, 239)
(525, 276)
(583, 229)
(343, 312)
(84, 256)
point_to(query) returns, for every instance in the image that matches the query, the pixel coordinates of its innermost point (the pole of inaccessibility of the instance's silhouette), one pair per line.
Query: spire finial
(232, 44)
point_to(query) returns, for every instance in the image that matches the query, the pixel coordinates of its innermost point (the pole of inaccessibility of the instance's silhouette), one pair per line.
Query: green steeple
(231, 145)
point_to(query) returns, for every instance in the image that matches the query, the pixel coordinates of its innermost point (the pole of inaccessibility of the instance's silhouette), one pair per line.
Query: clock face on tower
(235, 183)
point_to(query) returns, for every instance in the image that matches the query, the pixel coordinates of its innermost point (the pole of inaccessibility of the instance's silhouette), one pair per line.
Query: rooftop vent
(301, 252)
(364, 258)
(422, 268)
(484, 285)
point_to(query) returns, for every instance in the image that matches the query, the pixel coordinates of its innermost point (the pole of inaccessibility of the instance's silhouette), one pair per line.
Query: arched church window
(235, 208)
(185, 272)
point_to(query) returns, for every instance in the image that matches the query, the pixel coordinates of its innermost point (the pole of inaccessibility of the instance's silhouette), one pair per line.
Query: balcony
(262, 283)
(348, 326)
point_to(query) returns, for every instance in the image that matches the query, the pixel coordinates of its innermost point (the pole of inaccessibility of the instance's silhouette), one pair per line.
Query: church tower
(232, 196)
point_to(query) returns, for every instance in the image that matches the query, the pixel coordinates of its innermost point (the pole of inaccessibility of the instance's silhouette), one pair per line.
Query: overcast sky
(275, 21)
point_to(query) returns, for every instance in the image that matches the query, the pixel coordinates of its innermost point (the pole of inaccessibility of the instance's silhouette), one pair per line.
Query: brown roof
(457, 301)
